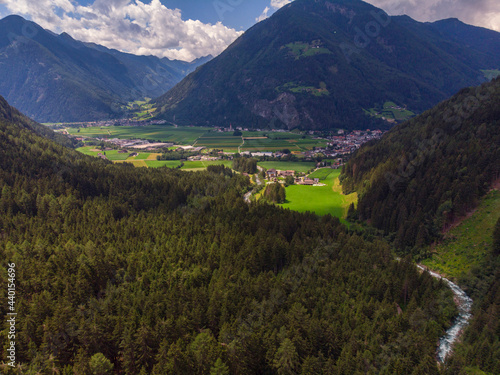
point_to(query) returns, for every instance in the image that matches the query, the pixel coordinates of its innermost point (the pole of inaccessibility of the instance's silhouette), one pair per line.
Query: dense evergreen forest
(275, 193)
(480, 346)
(424, 176)
(245, 165)
(135, 271)
(428, 172)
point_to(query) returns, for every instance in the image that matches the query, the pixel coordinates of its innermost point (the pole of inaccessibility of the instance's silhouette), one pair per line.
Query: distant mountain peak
(55, 78)
(319, 64)
(13, 18)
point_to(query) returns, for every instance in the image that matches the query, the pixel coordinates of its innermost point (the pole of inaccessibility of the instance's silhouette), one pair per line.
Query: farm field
(143, 159)
(322, 173)
(206, 137)
(162, 163)
(321, 200)
(272, 135)
(467, 245)
(288, 165)
(391, 111)
(135, 163)
(179, 135)
(293, 144)
(200, 165)
(147, 159)
(112, 155)
(225, 141)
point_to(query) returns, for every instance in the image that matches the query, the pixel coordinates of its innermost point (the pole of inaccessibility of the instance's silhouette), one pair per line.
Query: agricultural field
(293, 144)
(302, 167)
(467, 245)
(201, 165)
(179, 135)
(206, 137)
(300, 49)
(143, 159)
(162, 163)
(112, 155)
(321, 200)
(135, 163)
(148, 159)
(391, 111)
(298, 88)
(322, 173)
(141, 109)
(225, 141)
(272, 135)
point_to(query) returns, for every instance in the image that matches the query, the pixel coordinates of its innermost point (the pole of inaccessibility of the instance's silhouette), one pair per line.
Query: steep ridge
(55, 78)
(325, 64)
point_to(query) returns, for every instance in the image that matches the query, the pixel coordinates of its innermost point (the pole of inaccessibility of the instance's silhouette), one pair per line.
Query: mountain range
(54, 78)
(332, 63)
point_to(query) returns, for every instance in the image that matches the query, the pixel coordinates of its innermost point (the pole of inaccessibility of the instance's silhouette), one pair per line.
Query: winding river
(464, 304)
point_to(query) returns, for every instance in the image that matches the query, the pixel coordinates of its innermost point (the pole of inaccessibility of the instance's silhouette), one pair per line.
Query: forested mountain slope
(55, 78)
(323, 64)
(428, 172)
(161, 271)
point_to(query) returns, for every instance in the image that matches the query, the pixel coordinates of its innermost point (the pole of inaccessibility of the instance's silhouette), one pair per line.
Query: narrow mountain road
(257, 181)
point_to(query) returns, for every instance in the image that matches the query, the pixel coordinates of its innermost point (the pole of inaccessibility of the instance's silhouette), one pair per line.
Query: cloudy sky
(187, 29)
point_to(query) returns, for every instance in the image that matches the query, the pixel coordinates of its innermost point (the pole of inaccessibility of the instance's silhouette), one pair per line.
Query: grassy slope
(466, 245)
(163, 163)
(180, 135)
(200, 165)
(199, 136)
(287, 166)
(322, 200)
(112, 155)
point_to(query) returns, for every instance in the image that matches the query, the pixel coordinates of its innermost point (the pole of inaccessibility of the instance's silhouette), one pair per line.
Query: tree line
(158, 271)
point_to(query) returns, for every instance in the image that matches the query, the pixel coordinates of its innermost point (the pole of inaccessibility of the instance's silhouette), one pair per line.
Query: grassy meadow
(225, 141)
(466, 245)
(292, 143)
(390, 111)
(201, 164)
(321, 200)
(288, 165)
(179, 135)
(148, 159)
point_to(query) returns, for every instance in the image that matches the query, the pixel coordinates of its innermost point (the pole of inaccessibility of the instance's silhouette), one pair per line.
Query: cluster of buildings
(274, 174)
(137, 144)
(117, 122)
(344, 144)
(204, 158)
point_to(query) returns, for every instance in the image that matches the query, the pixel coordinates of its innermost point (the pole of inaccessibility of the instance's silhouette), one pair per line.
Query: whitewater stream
(464, 304)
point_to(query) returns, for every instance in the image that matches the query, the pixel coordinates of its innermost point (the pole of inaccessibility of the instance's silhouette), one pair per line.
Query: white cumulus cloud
(264, 15)
(129, 25)
(274, 5)
(277, 4)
